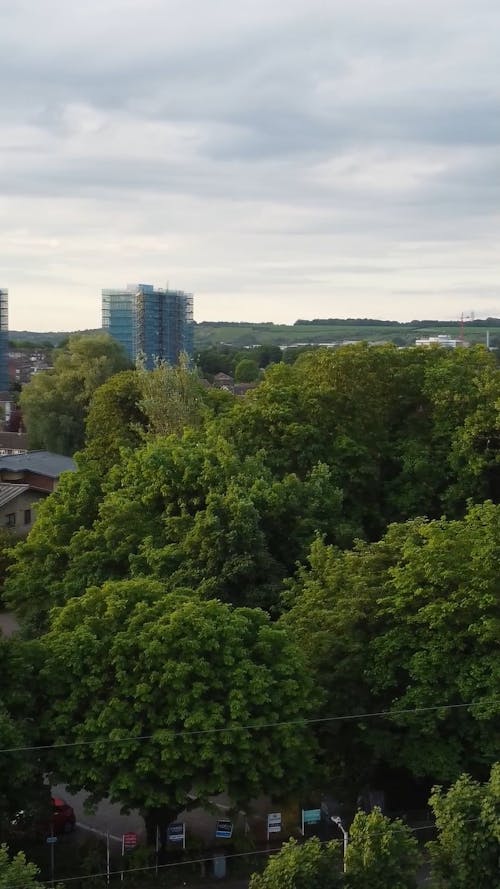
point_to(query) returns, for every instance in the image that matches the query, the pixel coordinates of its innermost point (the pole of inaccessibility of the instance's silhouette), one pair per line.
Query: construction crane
(463, 319)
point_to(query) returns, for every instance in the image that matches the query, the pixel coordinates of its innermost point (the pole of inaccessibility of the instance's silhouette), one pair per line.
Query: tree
(246, 371)
(186, 510)
(36, 579)
(466, 850)
(171, 398)
(114, 420)
(17, 872)
(162, 688)
(7, 544)
(381, 853)
(311, 865)
(55, 402)
(21, 702)
(406, 625)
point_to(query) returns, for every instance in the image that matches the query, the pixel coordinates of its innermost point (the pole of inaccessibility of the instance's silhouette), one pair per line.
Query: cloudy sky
(280, 160)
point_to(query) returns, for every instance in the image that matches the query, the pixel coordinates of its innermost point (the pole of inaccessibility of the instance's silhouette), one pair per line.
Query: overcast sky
(280, 160)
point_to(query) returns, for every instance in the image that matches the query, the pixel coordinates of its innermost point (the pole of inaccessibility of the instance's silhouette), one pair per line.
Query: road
(8, 624)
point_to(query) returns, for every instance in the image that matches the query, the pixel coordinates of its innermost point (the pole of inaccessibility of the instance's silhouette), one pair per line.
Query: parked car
(58, 820)
(63, 818)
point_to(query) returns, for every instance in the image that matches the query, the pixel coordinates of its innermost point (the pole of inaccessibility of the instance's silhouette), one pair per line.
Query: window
(27, 516)
(10, 519)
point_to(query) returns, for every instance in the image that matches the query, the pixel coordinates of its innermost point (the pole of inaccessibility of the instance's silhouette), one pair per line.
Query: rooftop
(41, 462)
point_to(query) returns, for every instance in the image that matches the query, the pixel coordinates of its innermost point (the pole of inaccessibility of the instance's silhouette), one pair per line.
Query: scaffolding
(4, 340)
(157, 324)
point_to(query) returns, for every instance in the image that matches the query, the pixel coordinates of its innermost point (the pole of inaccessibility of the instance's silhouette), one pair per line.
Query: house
(223, 381)
(25, 479)
(40, 470)
(17, 507)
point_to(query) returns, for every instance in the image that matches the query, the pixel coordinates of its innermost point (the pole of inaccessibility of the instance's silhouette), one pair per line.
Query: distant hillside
(318, 330)
(38, 337)
(331, 330)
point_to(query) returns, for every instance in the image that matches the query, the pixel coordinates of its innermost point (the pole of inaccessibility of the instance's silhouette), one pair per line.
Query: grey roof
(41, 462)
(10, 492)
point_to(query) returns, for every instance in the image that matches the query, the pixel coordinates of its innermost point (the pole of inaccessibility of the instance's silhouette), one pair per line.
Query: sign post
(273, 824)
(129, 842)
(52, 840)
(224, 830)
(176, 833)
(310, 816)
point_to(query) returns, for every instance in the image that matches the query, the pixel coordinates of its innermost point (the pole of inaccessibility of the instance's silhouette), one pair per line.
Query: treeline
(245, 582)
(377, 322)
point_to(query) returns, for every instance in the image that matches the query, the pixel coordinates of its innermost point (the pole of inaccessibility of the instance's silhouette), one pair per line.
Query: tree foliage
(21, 701)
(185, 678)
(405, 624)
(312, 864)
(381, 853)
(466, 851)
(115, 419)
(185, 510)
(246, 371)
(16, 872)
(171, 398)
(55, 402)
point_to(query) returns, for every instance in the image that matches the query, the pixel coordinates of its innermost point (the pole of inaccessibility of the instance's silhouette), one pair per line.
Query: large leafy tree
(163, 688)
(55, 402)
(115, 419)
(186, 510)
(385, 421)
(313, 864)
(407, 624)
(381, 853)
(21, 702)
(466, 850)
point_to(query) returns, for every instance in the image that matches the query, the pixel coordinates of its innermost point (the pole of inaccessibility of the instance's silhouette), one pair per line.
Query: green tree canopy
(55, 402)
(21, 701)
(184, 677)
(115, 419)
(311, 865)
(16, 872)
(171, 398)
(246, 371)
(185, 510)
(466, 850)
(407, 624)
(381, 854)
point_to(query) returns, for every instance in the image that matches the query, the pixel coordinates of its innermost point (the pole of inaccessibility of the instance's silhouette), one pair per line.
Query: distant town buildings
(4, 339)
(443, 340)
(153, 322)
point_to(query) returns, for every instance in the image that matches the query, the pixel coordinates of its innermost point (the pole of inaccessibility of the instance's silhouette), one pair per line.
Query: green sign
(311, 816)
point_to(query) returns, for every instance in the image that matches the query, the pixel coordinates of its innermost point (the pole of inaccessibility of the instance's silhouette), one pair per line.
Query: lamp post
(338, 821)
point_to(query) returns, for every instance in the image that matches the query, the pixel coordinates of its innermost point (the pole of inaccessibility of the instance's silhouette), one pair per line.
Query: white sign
(273, 823)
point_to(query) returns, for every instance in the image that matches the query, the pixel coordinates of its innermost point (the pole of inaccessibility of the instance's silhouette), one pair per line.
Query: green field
(240, 335)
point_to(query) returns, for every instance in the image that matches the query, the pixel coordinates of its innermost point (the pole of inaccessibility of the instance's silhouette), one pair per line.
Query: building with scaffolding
(157, 324)
(4, 340)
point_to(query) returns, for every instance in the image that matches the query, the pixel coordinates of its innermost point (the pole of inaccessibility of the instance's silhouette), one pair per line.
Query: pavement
(8, 624)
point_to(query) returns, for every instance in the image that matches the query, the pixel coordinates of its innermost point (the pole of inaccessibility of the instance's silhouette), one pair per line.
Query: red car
(38, 823)
(63, 818)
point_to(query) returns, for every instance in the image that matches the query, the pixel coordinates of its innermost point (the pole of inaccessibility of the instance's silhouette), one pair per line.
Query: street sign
(129, 842)
(176, 832)
(224, 830)
(273, 823)
(310, 816)
(51, 840)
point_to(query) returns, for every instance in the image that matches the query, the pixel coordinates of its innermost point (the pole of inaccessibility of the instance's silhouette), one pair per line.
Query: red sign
(129, 841)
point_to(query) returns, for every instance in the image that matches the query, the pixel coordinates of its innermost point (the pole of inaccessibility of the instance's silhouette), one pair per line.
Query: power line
(390, 714)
